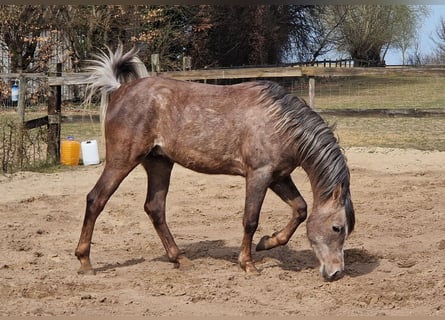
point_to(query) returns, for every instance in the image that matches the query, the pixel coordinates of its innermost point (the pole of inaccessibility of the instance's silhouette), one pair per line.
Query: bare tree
(89, 28)
(212, 35)
(21, 27)
(368, 31)
(440, 43)
(438, 54)
(311, 35)
(415, 58)
(260, 34)
(406, 23)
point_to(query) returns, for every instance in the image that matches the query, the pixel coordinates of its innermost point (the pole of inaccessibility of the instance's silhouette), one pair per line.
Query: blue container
(15, 92)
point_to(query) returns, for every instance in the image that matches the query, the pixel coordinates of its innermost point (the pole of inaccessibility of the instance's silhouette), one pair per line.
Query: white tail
(108, 72)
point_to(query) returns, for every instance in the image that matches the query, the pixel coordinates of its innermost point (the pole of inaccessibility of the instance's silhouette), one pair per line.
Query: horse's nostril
(336, 275)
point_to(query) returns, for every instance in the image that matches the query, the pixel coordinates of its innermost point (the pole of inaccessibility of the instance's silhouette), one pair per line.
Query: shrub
(21, 149)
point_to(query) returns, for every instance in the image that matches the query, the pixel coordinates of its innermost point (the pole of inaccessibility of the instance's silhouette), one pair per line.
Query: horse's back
(207, 128)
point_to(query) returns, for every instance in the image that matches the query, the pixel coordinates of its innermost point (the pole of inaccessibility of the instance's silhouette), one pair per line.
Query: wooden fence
(267, 72)
(80, 78)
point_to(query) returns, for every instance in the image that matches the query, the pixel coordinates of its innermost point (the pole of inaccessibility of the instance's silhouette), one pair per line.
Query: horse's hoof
(86, 272)
(250, 269)
(183, 263)
(263, 244)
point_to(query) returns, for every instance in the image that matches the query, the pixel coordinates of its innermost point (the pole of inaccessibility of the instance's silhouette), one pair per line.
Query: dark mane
(313, 139)
(349, 210)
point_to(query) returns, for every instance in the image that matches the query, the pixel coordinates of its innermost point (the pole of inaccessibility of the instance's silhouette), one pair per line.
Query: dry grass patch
(376, 92)
(416, 133)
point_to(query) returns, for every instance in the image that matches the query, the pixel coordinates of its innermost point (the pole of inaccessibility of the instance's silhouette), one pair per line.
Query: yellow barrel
(70, 152)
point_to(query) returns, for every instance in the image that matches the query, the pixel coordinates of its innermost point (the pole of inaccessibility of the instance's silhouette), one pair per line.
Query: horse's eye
(336, 229)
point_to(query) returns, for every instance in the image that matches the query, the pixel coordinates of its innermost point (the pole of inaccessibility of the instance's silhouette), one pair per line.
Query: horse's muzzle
(333, 275)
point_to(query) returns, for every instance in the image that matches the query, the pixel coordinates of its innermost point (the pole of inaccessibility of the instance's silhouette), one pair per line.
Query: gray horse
(254, 129)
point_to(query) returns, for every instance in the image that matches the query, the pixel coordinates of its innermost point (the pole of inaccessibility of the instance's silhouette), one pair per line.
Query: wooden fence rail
(250, 73)
(267, 72)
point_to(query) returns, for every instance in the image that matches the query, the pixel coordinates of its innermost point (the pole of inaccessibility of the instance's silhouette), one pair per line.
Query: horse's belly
(211, 162)
(213, 167)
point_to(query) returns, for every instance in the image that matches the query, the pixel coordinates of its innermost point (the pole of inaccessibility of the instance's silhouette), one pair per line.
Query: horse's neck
(323, 186)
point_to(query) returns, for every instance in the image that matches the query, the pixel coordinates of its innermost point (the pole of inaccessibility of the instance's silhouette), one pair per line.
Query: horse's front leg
(257, 183)
(289, 193)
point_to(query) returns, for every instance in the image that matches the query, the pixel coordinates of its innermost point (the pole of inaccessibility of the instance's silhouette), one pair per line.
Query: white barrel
(90, 152)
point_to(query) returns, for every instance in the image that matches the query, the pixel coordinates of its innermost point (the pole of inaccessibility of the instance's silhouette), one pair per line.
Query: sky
(428, 30)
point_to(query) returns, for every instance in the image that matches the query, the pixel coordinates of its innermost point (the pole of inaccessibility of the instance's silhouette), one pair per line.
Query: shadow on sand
(111, 266)
(358, 261)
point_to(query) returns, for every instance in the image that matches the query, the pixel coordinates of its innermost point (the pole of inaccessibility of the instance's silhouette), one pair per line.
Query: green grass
(82, 131)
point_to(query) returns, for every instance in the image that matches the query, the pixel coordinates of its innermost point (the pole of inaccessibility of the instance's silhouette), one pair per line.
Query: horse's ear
(337, 193)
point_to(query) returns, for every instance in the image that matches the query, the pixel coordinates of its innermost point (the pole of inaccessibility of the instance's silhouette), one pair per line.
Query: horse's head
(327, 228)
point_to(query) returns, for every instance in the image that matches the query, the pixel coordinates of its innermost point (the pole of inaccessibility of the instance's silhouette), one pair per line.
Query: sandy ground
(395, 259)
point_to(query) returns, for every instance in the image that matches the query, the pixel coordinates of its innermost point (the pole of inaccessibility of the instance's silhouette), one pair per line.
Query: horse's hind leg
(289, 193)
(159, 172)
(106, 185)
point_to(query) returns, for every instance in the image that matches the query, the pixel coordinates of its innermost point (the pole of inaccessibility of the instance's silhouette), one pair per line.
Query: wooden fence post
(54, 117)
(20, 152)
(312, 92)
(186, 63)
(22, 96)
(155, 64)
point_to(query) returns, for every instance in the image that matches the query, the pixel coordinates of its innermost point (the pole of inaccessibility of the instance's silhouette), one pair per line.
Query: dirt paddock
(395, 259)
